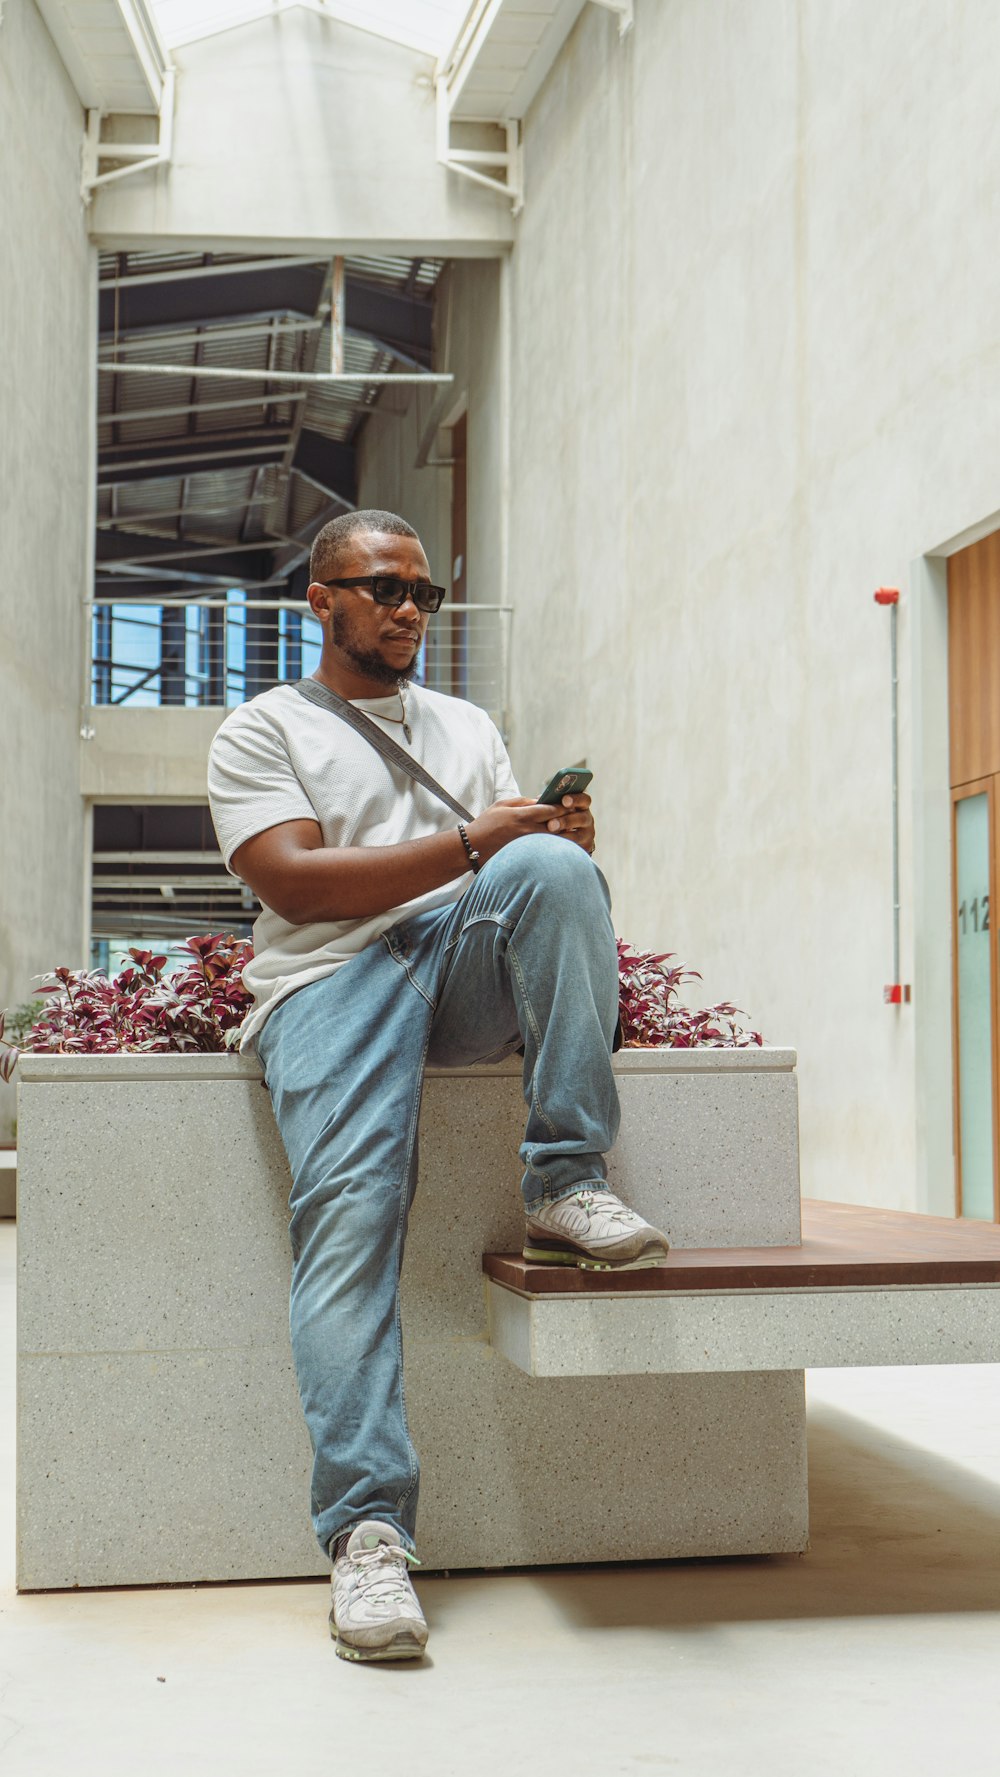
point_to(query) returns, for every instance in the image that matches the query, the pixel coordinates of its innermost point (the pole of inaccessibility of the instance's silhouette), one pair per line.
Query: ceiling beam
(210, 268)
(248, 326)
(203, 294)
(133, 520)
(387, 317)
(179, 586)
(306, 351)
(132, 416)
(325, 460)
(120, 553)
(210, 455)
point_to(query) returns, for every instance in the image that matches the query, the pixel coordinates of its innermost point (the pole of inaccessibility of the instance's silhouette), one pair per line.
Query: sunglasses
(387, 589)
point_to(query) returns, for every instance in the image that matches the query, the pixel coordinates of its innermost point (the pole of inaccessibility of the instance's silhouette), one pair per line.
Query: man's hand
(305, 882)
(518, 815)
(575, 822)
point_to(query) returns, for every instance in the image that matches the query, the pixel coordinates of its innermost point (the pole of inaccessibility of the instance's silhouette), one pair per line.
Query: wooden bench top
(843, 1245)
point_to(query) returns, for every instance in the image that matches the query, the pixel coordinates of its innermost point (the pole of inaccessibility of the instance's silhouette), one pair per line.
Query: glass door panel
(973, 991)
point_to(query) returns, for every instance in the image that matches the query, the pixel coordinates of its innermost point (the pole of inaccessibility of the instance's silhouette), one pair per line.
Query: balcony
(163, 673)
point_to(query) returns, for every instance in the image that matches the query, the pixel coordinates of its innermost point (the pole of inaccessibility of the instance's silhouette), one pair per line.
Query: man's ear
(320, 600)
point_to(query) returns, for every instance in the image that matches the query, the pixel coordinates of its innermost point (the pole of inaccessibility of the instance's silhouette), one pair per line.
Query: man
(392, 934)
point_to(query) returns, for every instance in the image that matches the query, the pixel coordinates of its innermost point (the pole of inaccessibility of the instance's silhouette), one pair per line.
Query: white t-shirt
(280, 758)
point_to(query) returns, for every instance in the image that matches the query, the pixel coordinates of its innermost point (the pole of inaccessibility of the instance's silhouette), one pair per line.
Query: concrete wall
(45, 471)
(389, 478)
(469, 333)
(324, 134)
(756, 372)
(147, 755)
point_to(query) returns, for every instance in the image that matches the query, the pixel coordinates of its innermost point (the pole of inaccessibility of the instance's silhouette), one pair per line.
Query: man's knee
(552, 862)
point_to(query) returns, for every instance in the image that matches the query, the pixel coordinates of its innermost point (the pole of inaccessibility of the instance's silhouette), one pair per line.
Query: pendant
(406, 731)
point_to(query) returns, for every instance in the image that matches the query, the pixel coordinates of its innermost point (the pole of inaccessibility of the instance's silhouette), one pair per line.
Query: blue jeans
(527, 956)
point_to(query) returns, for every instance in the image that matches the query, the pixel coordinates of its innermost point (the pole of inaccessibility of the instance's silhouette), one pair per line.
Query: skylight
(429, 25)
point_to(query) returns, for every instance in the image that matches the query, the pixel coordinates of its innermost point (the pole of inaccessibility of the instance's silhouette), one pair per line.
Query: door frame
(925, 614)
(962, 793)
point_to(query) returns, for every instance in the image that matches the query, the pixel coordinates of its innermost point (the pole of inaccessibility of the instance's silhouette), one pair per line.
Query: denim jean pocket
(400, 945)
(398, 942)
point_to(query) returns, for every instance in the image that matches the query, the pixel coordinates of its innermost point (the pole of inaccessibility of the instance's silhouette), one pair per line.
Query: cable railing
(215, 652)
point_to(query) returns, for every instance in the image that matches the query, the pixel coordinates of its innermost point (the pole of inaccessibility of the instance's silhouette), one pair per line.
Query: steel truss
(139, 157)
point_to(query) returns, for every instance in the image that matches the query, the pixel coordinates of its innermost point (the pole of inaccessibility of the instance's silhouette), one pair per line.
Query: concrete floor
(878, 1652)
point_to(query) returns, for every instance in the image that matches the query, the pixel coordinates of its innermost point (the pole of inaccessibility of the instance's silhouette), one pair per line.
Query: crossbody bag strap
(391, 752)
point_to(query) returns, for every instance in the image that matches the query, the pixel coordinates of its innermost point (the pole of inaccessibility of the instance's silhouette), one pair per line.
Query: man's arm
(306, 882)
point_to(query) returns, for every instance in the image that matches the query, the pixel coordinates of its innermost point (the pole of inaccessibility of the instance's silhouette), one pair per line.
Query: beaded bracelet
(473, 856)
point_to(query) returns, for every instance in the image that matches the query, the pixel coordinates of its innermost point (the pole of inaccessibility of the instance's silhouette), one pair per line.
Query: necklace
(400, 719)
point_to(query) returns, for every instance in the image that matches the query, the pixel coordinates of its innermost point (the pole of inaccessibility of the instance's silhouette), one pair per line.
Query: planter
(160, 1435)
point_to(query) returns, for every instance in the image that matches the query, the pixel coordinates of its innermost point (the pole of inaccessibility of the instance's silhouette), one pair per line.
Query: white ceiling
(430, 25)
(494, 54)
(109, 50)
(496, 70)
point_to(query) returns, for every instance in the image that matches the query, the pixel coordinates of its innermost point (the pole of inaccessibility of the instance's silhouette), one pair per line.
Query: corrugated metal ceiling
(222, 462)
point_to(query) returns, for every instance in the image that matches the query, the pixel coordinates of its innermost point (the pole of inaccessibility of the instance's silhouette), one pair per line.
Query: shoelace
(382, 1577)
(603, 1203)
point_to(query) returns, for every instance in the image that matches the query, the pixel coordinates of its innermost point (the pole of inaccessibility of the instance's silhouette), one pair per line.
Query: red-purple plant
(652, 1017)
(197, 1008)
(200, 1007)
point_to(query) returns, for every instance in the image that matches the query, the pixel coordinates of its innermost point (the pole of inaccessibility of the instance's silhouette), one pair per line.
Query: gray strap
(392, 753)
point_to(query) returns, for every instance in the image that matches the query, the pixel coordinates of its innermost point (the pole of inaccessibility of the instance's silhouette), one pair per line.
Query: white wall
(45, 471)
(297, 130)
(389, 479)
(468, 339)
(147, 755)
(756, 372)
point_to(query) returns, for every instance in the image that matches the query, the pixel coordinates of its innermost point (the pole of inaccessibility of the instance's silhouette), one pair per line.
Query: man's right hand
(519, 815)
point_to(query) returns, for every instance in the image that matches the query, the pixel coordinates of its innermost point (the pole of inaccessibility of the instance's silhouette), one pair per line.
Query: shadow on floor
(894, 1530)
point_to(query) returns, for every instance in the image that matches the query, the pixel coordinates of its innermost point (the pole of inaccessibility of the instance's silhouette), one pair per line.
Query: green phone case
(570, 781)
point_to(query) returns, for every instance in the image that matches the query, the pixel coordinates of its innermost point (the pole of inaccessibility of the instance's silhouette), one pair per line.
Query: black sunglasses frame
(413, 589)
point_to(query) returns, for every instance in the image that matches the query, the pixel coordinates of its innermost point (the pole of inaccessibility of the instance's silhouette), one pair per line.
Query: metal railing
(214, 653)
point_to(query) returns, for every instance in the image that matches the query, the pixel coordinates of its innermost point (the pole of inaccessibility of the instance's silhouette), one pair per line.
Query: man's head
(377, 642)
(335, 543)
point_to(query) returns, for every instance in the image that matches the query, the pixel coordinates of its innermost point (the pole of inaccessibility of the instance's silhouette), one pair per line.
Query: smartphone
(572, 780)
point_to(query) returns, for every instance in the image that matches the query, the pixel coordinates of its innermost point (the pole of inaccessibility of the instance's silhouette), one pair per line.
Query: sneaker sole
(562, 1255)
(401, 1647)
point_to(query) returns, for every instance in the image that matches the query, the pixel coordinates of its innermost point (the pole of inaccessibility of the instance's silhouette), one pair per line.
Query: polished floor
(876, 1653)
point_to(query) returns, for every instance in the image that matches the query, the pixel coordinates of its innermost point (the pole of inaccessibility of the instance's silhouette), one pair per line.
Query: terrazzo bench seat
(160, 1436)
(864, 1286)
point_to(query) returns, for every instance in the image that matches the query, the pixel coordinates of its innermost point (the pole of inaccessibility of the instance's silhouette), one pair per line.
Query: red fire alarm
(887, 595)
(898, 994)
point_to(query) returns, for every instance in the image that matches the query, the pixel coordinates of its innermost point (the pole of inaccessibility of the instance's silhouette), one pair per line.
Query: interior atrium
(669, 331)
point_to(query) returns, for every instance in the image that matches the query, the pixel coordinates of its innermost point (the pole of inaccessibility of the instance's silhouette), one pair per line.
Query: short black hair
(330, 544)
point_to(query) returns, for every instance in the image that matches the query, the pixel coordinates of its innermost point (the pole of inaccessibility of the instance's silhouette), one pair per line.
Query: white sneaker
(375, 1614)
(594, 1229)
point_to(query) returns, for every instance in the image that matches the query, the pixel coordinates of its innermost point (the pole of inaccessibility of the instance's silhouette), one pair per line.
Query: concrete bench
(159, 1430)
(561, 1416)
(864, 1286)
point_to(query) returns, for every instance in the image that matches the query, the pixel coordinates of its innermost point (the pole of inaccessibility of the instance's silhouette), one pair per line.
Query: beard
(344, 635)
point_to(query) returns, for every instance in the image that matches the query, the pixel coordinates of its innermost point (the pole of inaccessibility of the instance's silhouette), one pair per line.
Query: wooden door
(974, 721)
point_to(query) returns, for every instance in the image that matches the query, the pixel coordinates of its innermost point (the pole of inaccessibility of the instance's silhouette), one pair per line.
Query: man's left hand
(575, 821)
